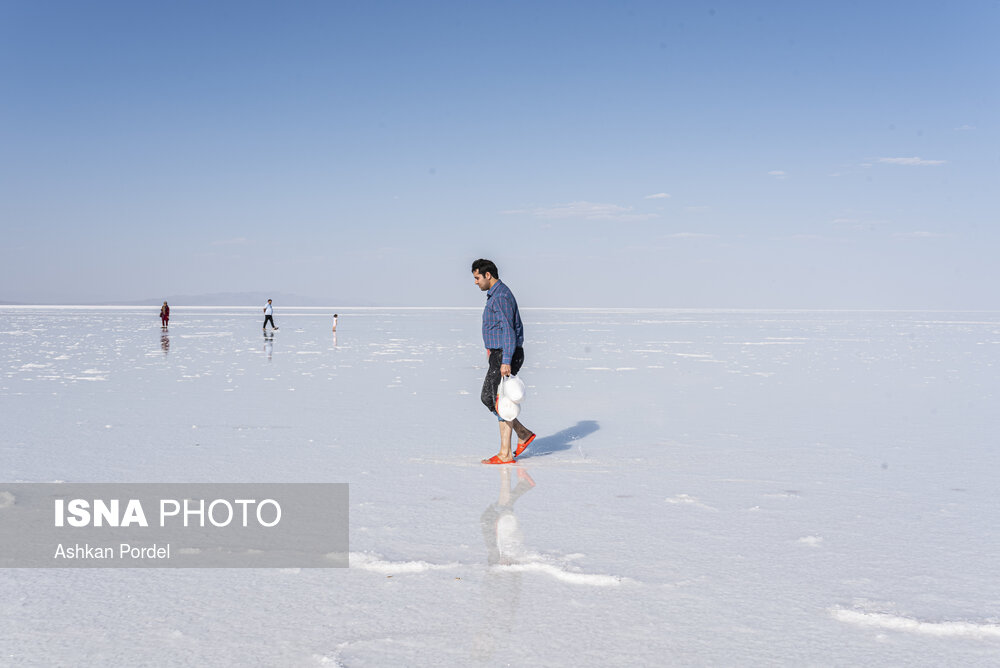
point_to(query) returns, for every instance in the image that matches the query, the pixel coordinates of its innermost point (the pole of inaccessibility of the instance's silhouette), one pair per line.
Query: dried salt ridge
(710, 487)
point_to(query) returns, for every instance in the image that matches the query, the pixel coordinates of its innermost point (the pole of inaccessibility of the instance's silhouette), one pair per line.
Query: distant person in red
(164, 314)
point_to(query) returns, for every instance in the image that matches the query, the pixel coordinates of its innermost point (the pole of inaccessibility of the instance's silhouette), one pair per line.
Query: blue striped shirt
(502, 326)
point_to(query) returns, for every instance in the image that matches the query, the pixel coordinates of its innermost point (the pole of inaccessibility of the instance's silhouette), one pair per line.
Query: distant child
(164, 315)
(268, 313)
(335, 322)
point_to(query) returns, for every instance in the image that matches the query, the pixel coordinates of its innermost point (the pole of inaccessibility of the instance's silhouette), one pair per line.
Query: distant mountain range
(224, 299)
(232, 299)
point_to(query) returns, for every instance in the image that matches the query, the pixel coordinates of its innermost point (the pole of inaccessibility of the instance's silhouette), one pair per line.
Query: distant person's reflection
(334, 338)
(504, 547)
(165, 343)
(269, 344)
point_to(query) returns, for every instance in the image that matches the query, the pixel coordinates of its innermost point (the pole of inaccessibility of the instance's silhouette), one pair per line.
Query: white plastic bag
(507, 408)
(514, 389)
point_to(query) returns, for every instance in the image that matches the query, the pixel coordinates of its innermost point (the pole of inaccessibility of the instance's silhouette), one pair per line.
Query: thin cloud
(778, 174)
(691, 235)
(965, 128)
(657, 196)
(866, 224)
(806, 238)
(911, 162)
(586, 211)
(919, 234)
(238, 241)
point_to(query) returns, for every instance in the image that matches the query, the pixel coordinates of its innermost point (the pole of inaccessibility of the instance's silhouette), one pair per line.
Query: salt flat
(707, 488)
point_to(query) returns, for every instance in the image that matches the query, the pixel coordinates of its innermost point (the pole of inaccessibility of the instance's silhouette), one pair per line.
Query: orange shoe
(522, 446)
(495, 459)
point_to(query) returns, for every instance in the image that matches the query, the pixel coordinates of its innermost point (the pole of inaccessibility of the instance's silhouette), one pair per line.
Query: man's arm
(508, 336)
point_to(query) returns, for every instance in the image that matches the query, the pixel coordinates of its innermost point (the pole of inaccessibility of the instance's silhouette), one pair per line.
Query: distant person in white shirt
(335, 323)
(268, 311)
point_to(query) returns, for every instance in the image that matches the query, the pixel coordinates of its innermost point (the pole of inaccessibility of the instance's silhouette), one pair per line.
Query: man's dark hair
(485, 267)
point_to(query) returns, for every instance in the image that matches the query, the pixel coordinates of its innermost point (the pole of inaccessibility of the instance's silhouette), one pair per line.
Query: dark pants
(491, 385)
(268, 319)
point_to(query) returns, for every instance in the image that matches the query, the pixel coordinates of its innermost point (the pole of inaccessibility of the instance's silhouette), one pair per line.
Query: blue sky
(663, 154)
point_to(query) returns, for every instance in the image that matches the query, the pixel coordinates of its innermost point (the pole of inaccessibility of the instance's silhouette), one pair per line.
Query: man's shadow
(560, 441)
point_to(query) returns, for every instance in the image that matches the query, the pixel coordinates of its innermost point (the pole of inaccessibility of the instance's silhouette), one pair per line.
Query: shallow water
(707, 487)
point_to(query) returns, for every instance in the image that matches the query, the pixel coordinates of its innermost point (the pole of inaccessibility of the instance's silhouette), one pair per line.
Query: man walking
(503, 336)
(268, 312)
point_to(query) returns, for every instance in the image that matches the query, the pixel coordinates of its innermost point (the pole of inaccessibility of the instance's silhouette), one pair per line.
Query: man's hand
(504, 370)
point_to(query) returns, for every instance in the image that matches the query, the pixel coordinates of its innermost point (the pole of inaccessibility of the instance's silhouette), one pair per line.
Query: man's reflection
(504, 547)
(503, 536)
(165, 343)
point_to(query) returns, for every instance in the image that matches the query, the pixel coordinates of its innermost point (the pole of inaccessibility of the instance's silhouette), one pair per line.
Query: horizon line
(896, 309)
